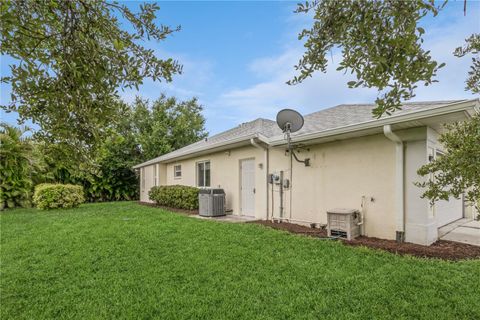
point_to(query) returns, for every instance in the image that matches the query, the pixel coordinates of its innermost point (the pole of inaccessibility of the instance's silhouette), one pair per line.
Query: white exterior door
(448, 211)
(247, 187)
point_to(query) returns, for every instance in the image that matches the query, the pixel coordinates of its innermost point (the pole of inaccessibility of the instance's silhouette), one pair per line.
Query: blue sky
(238, 55)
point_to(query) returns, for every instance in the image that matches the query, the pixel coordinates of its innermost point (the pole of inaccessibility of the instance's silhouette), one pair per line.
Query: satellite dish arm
(306, 161)
(291, 121)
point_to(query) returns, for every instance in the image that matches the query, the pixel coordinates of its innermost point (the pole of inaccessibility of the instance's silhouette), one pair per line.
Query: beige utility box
(343, 223)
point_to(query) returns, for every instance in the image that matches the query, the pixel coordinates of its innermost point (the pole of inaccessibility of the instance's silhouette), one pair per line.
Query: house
(356, 161)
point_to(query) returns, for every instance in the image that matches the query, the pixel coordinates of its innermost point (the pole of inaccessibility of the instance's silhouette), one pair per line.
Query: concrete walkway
(463, 230)
(228, 218)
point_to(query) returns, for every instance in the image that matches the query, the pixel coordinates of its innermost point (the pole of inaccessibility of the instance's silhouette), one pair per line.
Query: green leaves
(472, 46)
(144, 131)
(458, 171)
(17, 166)
(175, 196)
(167, 124)
(56, 196)
(380, 43)
(72, 58)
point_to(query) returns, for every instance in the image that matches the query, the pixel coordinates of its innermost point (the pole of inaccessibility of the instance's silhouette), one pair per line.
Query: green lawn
(123, 260)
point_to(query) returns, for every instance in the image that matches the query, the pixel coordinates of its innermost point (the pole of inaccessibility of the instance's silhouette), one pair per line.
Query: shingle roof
(326, 119)
(265, 127)
(347, 114)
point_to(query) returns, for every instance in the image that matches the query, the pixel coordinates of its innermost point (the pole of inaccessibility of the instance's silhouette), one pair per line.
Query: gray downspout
(399, 182)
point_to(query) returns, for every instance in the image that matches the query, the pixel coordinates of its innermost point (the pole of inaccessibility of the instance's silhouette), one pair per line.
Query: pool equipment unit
(343, 223)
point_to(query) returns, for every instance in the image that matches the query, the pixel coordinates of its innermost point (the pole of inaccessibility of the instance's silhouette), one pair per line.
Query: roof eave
(192, 153)
(469, 106)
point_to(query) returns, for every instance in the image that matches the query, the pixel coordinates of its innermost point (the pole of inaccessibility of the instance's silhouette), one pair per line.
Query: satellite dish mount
(291, 121)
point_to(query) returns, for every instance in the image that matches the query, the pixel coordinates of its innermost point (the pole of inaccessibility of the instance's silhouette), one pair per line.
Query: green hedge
(180, 197)
(53, 196)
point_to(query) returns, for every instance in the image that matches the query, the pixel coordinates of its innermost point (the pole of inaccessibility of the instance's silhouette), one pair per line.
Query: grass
(123, 260)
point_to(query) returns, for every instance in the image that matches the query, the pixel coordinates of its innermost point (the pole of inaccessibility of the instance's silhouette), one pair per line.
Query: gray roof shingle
(326, 119)
(265, 127)
(348, 114)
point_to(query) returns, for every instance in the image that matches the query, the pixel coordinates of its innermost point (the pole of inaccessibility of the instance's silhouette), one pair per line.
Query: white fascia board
(468, 106)
(192, 152)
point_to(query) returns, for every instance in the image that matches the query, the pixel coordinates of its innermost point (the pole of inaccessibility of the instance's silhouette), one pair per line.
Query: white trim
(204, 173)
(469, 106)
(370, 124)
(175, 171)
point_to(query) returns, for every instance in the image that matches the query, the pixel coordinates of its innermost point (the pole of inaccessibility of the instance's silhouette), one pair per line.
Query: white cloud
(441, 40)
(271, 93)
(267, 97)
(195, 77)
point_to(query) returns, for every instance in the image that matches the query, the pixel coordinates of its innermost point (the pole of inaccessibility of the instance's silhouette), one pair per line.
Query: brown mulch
(442, 249)
(184, 211)
(294, 228)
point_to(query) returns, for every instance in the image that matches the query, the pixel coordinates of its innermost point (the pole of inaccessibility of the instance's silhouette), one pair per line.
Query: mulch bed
(184, 211)
(442, 249)
(294, 228)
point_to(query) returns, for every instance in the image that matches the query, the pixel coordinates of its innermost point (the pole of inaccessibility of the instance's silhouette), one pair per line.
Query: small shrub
(180, 197)
(53, 196)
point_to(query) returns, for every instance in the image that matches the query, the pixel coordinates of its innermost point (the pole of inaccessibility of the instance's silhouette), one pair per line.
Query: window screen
(203, 174)
(177, 171)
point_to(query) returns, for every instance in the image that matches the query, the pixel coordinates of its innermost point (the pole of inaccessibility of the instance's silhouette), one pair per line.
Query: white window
(203, 174)
(142, 178)
(177, 171)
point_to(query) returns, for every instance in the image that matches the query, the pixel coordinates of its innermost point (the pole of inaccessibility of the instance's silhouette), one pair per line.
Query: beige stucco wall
(151, 180)
(147, 180)
(420, 223)
(341, 173)
(225, 173)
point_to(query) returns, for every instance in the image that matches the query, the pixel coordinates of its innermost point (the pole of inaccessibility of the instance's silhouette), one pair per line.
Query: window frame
(197, 169)
(177, 168)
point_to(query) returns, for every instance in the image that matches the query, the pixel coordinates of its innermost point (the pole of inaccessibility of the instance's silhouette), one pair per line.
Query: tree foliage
(113, 177)
(381, 44)
(145, 130)
(55, 196)
(73, 57)
(175, 196)
(167, 124)
(458, 170)
(472, 46)
(16, 164)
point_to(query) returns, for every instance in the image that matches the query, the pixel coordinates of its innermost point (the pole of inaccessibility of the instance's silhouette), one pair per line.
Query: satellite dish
(289, 120)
